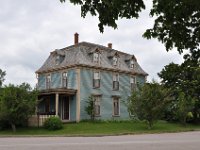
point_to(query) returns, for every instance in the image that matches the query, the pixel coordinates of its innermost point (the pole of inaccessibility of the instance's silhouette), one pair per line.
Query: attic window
(132, 64)
(57, 59)
(96, 57)
(115, 61)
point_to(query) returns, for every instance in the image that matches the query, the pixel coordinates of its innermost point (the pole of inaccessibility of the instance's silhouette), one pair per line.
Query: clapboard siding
(106, 91)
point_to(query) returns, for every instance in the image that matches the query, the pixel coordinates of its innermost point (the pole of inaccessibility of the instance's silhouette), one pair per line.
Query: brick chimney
(76, 38)
(110, 45)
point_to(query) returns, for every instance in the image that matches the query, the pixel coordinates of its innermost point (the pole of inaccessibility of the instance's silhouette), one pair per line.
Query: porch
(55, 102)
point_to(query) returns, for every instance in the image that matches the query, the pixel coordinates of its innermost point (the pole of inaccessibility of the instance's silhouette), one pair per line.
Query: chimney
(110, 45)
(76, 38)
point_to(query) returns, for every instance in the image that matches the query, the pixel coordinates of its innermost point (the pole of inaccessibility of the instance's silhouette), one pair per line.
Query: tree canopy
(184, 78)
(109, 11)
(17, 103)
(2, 75)
(148, 102)
(177, 22)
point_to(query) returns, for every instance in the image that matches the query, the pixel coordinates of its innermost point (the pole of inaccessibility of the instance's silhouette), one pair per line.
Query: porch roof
(58, 90)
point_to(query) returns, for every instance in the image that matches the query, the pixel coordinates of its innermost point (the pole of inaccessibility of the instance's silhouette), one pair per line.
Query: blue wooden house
(72, 74)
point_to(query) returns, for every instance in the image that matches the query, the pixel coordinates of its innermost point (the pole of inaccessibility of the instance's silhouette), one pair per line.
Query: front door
(65, 108)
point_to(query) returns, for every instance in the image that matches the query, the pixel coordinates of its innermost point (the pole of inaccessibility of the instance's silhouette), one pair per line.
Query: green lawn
(103, 128)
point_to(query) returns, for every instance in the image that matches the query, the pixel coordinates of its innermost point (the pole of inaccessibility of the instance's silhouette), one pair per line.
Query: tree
(184, 106)
(90, 108)
(177, 22)
(109, 11)
(17, 104)
(149, 102)
(2, 75)
(184, 78)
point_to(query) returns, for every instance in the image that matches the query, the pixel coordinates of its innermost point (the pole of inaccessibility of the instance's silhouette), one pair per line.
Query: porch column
(57, 103)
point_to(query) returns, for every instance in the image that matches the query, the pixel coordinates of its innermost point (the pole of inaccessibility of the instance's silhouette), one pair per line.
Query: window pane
(96, 83)
(132, 64)
(97, 105)
(115, 77)
(115, 61)
(96, 57)
(133, 80)
(116, 106)
(96, 75)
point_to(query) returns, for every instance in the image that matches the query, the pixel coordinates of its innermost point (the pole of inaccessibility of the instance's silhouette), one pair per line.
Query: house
(70, 75)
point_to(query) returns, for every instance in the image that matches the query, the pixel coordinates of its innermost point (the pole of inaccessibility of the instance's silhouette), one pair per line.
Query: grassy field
(103, 128)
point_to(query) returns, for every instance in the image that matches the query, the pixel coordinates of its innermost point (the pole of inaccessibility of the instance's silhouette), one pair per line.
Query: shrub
(53, 123)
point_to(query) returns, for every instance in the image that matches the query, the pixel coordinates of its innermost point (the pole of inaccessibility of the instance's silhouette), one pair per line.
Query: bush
(53, 123)
(4, 125)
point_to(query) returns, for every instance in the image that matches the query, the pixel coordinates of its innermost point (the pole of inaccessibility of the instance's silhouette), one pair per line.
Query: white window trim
(62, 78)
(99, 78)
(134, 79)
(98, 57)
(117, 79)
(115, 63)
(99, 98)
(132, 63)
(46, 77)
(113, 107)
(57, 59)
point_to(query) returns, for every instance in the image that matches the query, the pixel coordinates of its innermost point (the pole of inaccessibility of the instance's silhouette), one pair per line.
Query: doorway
(64, 103)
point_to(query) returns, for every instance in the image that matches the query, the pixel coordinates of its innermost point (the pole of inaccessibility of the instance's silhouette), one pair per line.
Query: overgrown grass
(103, 128)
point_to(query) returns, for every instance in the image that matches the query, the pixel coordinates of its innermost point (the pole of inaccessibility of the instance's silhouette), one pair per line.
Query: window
(115, 81)
(64, 79)
(57, 59)
(96, 79)
(97, 105)
(115, 61)
(48, 81)
(96, 57)
(132, 64)
(116, 106)
(133, 83)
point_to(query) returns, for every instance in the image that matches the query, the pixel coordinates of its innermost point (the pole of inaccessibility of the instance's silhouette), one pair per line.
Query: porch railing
(38, 120)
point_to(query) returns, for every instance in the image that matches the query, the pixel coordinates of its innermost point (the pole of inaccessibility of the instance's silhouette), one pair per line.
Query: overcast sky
(31, 29)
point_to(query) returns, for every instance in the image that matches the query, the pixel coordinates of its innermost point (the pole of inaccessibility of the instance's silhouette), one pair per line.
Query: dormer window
(115, 61)
(57, 59)
(96, 57)
(64, 79)
(132, 64)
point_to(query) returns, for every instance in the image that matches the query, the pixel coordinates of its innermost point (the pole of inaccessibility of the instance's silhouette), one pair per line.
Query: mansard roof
(79, 55)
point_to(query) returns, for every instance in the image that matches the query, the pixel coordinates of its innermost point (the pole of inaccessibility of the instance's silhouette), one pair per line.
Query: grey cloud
(30, 30)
